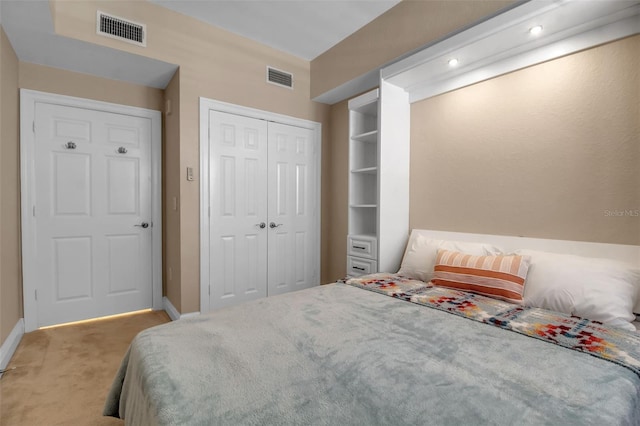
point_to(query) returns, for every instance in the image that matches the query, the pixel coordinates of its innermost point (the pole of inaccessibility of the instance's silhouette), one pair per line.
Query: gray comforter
(339, 355)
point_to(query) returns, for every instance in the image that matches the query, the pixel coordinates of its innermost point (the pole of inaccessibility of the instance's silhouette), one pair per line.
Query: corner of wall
(171, 194)
(10, 256)
(10, 344)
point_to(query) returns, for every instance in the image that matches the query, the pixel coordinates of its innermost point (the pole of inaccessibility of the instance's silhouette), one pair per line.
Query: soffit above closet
(29, 27)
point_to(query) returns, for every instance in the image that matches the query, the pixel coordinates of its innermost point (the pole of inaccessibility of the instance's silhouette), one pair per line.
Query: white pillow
(420, 257)
(598, 289)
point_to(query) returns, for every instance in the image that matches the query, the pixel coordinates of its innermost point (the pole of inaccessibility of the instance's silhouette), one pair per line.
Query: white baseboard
(10, 345)
(173, 312)
(170, 309)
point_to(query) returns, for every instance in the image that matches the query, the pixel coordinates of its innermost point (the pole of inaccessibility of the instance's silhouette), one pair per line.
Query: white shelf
(363, 177)
(366, 170)
(379, 174)
(368, 137)
(362, 221)
(366, 103)
(372, 236)
(363, 162)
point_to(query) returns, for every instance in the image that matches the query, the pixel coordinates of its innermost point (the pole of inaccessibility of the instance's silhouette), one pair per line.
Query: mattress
(337, 354)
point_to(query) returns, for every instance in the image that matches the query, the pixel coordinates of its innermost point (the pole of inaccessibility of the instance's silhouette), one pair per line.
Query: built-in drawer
(362, 246)
(357, 266)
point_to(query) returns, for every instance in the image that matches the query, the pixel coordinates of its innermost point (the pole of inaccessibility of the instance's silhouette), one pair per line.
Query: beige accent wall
(409, 25)
(10, 255)
(214, 64)
(551, 151)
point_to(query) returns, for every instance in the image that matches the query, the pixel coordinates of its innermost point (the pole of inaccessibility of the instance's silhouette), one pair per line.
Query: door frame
(28, 101)
(207, 105)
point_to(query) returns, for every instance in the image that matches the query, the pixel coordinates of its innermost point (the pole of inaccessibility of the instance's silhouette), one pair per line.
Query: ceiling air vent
(281, 78)
(121, 29)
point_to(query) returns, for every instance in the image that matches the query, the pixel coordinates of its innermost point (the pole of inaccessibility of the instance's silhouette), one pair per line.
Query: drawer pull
(359, 247)
(358, 268)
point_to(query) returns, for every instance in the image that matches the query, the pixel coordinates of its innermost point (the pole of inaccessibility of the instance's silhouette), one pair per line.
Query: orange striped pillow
(500, 277)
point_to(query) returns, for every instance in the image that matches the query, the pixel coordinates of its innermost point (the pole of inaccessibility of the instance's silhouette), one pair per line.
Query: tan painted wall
(171, 184)
(3, 41)
(10, 259)
(214, 64)
(63, 82)
(335, 200)
(3, 77)
(543, 152)
(407, 26)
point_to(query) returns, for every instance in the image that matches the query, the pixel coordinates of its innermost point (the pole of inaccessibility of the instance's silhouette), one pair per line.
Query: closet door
(293, 210)
(238, 228)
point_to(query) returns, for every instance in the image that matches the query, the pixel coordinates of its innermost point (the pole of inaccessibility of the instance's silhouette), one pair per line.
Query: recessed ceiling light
(453, 62)
(535, 30)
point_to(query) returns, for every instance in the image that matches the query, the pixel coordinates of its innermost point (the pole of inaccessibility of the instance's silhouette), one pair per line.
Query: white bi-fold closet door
(263, 217)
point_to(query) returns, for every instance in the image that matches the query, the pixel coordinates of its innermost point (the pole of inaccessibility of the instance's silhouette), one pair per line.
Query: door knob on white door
(143, 225)
(262, 225)
(274, 225)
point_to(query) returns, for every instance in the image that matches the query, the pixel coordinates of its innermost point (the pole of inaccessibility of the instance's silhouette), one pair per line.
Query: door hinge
(209, 290)
(34, 211)
(33, 126)
(209, 211)
(36, 294)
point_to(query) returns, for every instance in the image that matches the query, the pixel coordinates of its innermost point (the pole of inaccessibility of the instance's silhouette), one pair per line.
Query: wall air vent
(280, 78)
(121, 29)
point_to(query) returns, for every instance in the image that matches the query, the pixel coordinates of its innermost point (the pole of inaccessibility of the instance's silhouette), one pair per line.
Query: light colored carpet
(62, 375)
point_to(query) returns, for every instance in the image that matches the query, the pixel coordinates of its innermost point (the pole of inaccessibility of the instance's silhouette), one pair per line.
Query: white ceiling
(304, 28)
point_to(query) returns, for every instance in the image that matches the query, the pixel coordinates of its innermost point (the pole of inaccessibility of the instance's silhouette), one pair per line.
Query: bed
(383, 349)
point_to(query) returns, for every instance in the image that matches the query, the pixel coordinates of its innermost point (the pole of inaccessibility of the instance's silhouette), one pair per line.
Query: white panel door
(238, 232)
(92, 199)
(293, 210)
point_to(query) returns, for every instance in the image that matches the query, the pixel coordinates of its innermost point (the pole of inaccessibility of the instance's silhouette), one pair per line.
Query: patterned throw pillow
(500, 277)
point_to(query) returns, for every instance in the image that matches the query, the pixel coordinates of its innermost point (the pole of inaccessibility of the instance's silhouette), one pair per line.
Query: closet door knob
(261, 225)
(274, 225)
